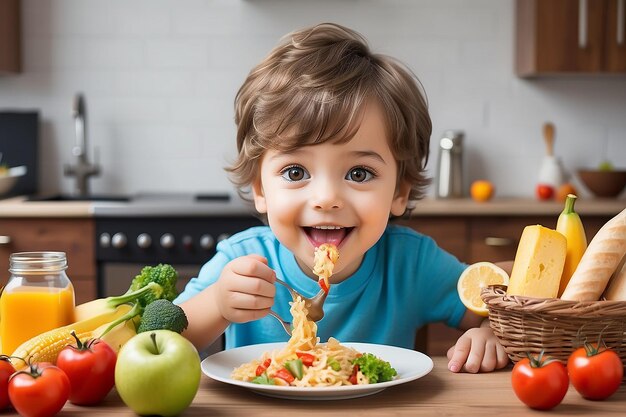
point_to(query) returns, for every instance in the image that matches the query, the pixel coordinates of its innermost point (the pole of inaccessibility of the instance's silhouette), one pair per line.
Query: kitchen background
(160, 77)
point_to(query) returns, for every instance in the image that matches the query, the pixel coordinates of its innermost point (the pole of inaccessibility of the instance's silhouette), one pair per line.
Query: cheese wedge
(538, 263)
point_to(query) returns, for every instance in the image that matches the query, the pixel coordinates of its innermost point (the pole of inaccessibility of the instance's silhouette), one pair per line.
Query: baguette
(604, 253)
(616, 289)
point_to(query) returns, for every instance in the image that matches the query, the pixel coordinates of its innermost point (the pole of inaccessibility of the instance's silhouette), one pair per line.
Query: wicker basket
(558, 327)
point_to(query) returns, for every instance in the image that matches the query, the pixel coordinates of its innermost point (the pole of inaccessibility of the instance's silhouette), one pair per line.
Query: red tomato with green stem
(90, 367)
(596, 372)
(6, 370)
(540, 382)
(39, 391)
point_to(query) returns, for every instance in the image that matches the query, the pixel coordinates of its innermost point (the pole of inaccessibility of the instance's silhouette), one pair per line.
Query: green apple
(605, 166)
(158, 372)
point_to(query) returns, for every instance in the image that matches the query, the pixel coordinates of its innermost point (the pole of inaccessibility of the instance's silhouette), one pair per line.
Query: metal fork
(286, 325)
(314, 305)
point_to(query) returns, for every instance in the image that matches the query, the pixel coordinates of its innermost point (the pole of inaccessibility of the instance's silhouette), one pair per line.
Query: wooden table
(439, 393)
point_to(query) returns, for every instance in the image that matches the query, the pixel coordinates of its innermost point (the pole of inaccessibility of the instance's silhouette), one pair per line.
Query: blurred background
(159, 78)
(127, 106)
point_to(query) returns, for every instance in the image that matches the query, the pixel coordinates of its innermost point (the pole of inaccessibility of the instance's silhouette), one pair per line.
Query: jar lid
(37, 262)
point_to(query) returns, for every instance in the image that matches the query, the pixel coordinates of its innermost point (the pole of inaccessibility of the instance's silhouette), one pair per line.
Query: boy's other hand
(245, 289)
(477, 350)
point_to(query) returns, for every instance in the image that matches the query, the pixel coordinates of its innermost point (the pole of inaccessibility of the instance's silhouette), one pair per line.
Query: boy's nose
(326, 196)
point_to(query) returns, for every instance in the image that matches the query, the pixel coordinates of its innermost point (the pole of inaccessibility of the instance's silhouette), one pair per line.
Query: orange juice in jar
(38, 297)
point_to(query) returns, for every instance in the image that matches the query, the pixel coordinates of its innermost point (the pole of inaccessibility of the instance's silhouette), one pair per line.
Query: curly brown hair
(312, 87)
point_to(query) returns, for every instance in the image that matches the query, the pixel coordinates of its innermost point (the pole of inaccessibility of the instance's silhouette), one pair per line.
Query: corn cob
(46, 346)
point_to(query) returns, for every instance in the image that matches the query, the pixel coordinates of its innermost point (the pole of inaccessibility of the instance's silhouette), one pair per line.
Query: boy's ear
(401, 199)
(259, 196)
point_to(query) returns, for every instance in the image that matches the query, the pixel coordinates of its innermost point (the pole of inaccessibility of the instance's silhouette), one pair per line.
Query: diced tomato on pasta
(263, 367)
(324, 285)
(306, 358)
(285, 375)
(352, 378)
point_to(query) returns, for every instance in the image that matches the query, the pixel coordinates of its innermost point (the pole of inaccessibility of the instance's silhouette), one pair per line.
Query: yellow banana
(118, 335)
(570, 226)
(103, 305)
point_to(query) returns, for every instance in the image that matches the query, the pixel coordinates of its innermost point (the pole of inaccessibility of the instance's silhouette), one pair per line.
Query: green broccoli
(163, 314)
(161, 280)
(376, 370)
(164, 275)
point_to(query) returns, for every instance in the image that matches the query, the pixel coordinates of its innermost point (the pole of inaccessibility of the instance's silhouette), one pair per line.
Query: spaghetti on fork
(325, 257)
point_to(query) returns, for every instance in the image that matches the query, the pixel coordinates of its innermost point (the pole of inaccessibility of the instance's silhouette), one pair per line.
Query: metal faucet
(82, 170)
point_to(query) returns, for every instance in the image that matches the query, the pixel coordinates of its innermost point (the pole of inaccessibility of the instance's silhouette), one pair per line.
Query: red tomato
(263, 367)
(306, 358)
(540, 382)
(545, 192)
(90, 367)
(596, 373)
(285, 375)
(352, 379)
(6, 370)
(39, 392)
(323, 285)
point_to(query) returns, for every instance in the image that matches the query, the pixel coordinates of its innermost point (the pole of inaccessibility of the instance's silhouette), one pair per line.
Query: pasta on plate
(304, 362)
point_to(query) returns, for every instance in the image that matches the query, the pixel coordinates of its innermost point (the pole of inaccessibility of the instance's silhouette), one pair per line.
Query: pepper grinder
(450, 165)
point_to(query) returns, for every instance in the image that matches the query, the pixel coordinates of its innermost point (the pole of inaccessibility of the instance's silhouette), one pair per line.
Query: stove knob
(207, 242)
(187, 242)
(144, 241)
(105, 240)
(118, 240)
(223, 236)
(167, 240)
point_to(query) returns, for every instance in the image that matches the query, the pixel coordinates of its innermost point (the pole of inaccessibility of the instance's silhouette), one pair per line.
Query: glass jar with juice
(38, 297)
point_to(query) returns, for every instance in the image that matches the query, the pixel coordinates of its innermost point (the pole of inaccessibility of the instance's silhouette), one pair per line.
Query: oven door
(116, 278)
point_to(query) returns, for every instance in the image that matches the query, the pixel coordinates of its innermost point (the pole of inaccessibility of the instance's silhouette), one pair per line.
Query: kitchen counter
(187, 205)
(19, 207)
(140, 205)
(441, 392)
(515, 207)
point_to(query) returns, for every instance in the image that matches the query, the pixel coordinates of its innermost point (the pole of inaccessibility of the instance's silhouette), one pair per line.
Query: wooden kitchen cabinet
(615, 41)
(10, 50)
(487, 238)
(570, 37)
(75, 237)
(474, 239)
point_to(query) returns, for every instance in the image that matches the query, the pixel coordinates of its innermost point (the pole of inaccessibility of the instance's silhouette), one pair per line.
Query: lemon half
(476, 277)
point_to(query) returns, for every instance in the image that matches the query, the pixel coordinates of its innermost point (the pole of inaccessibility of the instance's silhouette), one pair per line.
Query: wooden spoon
(548, 136)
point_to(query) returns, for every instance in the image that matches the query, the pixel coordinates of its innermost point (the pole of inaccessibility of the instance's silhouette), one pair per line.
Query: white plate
(409, 364)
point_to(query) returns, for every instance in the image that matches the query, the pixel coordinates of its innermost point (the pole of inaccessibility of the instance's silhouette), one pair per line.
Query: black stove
(173, 229)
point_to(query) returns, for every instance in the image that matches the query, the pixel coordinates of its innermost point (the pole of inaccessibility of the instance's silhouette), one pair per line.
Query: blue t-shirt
(404, 281)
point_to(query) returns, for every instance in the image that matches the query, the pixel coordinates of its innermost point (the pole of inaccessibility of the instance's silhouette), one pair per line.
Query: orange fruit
(482, 190)
(564, 190)
(476, 277)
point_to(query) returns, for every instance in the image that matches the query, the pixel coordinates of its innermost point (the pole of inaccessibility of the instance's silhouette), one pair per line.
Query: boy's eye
(295, 173)
(359, 175)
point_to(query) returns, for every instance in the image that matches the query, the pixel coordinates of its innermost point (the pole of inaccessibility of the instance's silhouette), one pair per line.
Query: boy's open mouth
(327, 234)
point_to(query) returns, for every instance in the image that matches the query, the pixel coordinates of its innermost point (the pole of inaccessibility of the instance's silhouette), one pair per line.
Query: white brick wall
(160, 77)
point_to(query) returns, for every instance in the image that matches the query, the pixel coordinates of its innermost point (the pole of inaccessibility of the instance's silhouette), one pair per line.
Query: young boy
(333, 142)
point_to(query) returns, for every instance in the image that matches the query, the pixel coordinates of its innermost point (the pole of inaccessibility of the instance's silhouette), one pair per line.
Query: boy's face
(336, 193)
